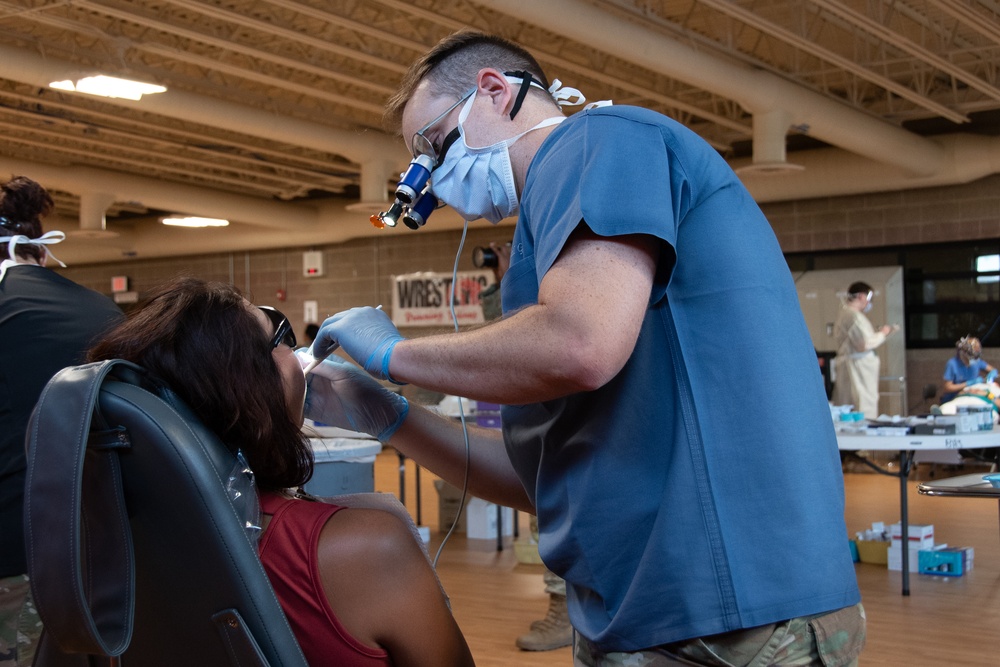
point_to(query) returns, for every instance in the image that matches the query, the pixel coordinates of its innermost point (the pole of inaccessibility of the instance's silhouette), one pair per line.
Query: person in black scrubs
(47, 322)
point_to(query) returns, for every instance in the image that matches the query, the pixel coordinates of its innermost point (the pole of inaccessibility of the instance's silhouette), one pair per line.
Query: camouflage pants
(20, 626)
(832, 640)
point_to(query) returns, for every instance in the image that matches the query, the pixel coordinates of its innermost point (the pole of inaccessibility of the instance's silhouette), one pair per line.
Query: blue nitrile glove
(340, 394)
(991, 376)
(366, 334)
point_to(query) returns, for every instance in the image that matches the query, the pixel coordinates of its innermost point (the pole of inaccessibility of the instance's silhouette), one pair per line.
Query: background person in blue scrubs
(965, 368)
(643, 278)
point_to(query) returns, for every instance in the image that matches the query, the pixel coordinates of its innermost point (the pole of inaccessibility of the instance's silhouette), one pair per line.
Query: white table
(907, 445)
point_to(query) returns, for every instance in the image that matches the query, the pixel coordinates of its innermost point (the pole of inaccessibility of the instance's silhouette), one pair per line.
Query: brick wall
(359, 272)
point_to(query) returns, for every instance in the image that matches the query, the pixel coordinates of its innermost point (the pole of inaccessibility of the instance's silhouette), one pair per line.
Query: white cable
(461, 411)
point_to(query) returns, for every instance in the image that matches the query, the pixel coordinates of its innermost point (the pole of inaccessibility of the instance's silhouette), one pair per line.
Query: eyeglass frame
(432, 152)
(283, 332)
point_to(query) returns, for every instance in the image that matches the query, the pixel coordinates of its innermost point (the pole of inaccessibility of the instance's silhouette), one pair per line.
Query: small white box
(919, 536)
(481, 520)
(896, 558)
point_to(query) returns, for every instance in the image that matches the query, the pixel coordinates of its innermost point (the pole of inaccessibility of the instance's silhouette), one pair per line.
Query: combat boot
(552, 632)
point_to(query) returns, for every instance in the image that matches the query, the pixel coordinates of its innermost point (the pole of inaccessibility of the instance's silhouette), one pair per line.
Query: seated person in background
(355, 585)
(965, 368)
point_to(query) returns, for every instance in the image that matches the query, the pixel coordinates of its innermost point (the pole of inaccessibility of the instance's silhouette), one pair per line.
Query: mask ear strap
(526, 81)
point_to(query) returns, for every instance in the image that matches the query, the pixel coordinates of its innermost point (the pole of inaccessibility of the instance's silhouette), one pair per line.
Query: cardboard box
(527, 552)
(873, 551)
(952, 562)
(479, 517)
(448, 501)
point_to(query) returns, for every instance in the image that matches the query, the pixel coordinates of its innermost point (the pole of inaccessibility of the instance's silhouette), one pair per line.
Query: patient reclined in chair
(136, 548)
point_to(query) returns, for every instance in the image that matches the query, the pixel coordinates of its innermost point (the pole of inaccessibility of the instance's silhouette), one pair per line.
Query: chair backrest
(134, 547)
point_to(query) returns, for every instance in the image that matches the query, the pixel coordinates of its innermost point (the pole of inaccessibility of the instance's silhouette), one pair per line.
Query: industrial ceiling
(272, 117)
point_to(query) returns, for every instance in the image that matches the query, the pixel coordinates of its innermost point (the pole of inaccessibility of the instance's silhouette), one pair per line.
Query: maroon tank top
(289, 551)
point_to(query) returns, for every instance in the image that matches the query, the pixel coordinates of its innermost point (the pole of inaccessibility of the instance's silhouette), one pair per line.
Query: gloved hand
(991, 376)
(341, 394)
(366, 334)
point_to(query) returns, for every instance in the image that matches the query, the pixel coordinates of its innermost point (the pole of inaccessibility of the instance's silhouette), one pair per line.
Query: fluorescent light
(109, 86)
(193, 221)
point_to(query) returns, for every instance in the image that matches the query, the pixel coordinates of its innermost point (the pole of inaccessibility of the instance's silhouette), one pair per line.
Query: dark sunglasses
(282, 328)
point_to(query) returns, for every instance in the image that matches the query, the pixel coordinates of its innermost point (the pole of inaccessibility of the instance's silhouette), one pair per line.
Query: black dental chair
(136, 554)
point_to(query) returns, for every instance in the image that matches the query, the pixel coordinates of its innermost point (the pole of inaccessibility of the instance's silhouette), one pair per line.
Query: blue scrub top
(674, 505)
(957, 372)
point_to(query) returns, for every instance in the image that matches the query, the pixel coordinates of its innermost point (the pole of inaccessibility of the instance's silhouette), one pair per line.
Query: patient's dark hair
(201, 339)
(23, 204)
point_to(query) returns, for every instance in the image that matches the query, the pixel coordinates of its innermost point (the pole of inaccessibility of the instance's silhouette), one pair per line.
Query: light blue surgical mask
(479, 182)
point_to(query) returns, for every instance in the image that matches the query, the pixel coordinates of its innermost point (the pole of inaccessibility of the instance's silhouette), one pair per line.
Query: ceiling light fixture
(109, 86)
(193, 221)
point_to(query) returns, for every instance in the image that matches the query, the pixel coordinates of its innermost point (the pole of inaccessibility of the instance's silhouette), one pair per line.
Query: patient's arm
(988, 390)
(382, 588)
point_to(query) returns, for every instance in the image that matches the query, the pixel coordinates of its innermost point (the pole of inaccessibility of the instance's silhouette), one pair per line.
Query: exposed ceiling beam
(757, 91)
(810, 46)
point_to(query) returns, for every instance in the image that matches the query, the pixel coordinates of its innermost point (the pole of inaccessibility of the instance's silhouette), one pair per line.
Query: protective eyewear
(421, 145)
(283, 332)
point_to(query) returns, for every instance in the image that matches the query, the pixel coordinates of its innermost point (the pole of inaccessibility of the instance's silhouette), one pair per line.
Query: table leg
(905, 465)
(904, 519)
(499, 528)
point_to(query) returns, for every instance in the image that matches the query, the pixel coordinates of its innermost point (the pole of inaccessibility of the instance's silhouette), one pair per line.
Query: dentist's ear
(493, 85)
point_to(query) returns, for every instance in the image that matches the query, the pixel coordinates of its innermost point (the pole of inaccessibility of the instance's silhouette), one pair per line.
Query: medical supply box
(950, 562)
(487, 414)
(919, 537)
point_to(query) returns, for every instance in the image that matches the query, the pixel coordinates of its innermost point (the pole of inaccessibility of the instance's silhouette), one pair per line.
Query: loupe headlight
(388, 218)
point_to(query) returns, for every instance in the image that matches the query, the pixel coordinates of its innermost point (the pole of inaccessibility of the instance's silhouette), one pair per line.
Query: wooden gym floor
(953, 621)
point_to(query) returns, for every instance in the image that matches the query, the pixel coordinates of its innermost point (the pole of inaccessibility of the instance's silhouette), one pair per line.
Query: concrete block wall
(359, 272)
(927, 215)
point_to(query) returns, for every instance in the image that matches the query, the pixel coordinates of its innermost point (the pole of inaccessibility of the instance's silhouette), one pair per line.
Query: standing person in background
(642, 277)
(856, 363)
(554, 631)
(965, 368)
(47, 322)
